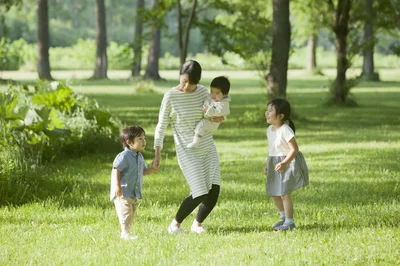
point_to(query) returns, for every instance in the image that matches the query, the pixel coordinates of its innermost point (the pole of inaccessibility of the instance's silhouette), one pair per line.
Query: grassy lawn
(348, 215)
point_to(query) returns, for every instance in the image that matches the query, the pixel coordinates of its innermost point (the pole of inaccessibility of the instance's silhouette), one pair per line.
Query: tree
(226, 27)
(137, 42)
(154, 48)
(277, 78)
(307, 22)
(183, 37)
(43, 40)
(341, 17)
(100, 70)
(369, 42)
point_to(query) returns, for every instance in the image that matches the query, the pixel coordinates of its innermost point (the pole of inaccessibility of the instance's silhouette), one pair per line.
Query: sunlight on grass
(348, 215)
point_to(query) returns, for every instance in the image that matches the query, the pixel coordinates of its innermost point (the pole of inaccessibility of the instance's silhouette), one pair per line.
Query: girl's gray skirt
(294, 176)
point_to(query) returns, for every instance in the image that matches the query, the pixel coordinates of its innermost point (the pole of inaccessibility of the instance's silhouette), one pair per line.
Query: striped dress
(199, 165)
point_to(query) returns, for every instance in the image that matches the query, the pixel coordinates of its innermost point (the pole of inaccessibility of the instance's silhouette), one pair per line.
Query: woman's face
(184, 84)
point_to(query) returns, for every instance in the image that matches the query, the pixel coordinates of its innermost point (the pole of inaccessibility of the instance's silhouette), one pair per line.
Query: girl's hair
(130, 133)
(193, 70)
(283, 107)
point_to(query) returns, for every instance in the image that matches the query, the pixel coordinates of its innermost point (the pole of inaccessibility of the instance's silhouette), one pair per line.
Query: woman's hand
(205, 108)
(157, 158)
(217, 119)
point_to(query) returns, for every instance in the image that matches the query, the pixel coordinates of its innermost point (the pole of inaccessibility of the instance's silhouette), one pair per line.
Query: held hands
(157, 161)
(205, 108)
(155, 166)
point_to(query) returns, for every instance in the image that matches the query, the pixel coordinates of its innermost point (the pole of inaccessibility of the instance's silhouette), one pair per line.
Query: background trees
(100, 70)
(43, 40)
(251, 30)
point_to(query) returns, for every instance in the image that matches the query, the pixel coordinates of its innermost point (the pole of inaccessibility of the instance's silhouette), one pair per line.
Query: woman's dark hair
(130, 133)
(193, 70)
(283, 107)
(221, 83)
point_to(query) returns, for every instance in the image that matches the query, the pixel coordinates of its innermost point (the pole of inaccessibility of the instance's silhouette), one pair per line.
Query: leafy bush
(49, 120)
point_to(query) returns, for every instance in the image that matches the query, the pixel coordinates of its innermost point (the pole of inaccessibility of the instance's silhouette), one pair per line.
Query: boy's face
(138, 144)
(216, 94)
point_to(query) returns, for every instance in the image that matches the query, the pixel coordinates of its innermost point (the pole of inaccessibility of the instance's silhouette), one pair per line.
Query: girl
(286, 168)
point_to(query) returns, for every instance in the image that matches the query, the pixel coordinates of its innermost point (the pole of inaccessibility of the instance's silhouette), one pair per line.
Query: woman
(182, 107)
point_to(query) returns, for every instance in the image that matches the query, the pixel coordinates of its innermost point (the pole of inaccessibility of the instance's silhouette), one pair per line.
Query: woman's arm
(163, 120)
(293, 152)
(157, 157)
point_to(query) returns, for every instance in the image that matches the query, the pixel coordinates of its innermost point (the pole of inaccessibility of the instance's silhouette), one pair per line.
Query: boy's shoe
(198, 229)
(286, 227)
(128, 236)
(281, 222)
(174, 230)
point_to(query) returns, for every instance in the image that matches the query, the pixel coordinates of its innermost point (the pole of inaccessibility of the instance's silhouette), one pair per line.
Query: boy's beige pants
(126, 209)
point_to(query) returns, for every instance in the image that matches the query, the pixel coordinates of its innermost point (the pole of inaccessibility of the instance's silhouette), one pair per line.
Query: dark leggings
(207, 201)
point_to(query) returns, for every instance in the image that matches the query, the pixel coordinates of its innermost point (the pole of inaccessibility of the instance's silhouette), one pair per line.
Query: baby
(216, 105)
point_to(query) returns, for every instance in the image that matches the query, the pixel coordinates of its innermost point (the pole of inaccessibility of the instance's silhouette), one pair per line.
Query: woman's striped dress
(199, 165)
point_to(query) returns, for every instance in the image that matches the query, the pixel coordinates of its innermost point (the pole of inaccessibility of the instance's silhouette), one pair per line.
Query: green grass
(348, 215)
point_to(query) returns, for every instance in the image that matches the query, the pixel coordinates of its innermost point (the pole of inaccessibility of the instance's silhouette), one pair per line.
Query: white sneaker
(172, 229)
(198, 229)
(128, 236)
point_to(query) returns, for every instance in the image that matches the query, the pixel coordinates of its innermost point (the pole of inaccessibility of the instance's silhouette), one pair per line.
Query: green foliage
(50, 120)
(11, 55)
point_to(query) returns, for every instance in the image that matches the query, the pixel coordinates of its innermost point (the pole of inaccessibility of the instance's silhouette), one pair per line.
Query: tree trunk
(100, 71)
(137, 42)
(312, 55)
(43, 40)
(183, 41)
(341, 29)
(277, 78)
(369, 40)
(154, 50)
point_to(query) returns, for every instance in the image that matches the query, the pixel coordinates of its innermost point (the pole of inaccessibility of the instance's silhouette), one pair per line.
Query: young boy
(127, 174)
(216, 105)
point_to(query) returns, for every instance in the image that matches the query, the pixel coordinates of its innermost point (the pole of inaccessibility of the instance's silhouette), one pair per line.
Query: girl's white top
(278, 140)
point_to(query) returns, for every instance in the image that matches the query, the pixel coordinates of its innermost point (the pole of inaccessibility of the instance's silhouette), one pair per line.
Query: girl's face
(184, 84)
(216, 94)
(271, 116)
(138, 144)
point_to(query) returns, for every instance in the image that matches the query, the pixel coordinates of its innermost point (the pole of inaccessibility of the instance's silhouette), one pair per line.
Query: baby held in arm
(215, 109)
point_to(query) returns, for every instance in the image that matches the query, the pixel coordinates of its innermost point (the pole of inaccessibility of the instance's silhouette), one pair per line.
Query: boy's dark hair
(221, 83)
(193, 70)
(129, 133)
(283, 107)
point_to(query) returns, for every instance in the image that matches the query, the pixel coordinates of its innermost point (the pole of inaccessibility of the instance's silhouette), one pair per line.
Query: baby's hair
(283, 107)
(130, 133)
(221, 83)
(193, 69)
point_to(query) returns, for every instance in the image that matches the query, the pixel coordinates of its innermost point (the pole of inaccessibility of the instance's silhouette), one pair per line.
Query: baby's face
(216, 94)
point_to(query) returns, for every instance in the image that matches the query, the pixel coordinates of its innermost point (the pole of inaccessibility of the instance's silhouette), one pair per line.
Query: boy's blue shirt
(131, 165)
